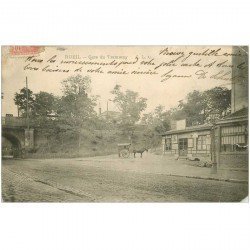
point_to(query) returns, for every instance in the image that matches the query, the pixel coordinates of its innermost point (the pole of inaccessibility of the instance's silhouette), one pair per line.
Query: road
(110, 179)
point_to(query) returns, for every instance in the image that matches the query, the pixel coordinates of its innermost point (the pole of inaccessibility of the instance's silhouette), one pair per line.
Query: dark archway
(11, 146)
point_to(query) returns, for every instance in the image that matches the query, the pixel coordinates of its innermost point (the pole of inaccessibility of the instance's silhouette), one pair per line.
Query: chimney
(181, 124)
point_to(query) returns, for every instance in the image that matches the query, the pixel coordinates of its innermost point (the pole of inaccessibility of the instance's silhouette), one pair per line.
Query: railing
(14, 121)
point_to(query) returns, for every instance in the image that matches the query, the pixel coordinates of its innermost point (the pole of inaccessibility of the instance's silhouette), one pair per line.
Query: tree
(218, 99)
(198, 105)
(76, 85)
(75, 108)
(130, 105)
(44, 104)
(194, 108)
(20, 100)
(158, 120)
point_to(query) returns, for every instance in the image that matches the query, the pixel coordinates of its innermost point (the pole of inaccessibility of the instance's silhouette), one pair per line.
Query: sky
(15, 68)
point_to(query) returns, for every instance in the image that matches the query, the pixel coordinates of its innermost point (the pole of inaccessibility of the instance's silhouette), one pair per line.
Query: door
(183, 146)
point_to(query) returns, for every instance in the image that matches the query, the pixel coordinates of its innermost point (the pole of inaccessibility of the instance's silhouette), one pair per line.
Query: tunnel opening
(11, 146)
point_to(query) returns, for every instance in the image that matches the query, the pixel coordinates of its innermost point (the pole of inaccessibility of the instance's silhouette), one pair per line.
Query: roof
(239, 115)
(189, 129)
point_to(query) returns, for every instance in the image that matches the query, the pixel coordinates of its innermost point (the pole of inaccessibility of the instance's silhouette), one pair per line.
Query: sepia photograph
(124, 124)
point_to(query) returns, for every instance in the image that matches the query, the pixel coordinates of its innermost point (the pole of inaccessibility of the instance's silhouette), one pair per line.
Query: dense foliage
(72, 119)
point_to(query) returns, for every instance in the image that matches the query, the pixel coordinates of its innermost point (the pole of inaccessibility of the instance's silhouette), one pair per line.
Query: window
(202, 142)
(234, 138)
(168, 143)
(190, 142)
(232, 130)
(183, 143)
(174, 139)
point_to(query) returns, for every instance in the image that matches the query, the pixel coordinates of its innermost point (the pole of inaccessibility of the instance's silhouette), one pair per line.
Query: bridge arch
(11, 145)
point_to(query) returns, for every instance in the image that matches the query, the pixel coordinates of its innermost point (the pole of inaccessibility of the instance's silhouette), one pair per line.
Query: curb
(211, 178)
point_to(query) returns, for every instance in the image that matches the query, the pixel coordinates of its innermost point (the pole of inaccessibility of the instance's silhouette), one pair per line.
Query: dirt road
(109, 179)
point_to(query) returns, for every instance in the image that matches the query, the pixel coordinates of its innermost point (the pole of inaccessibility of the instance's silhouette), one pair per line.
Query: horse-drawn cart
(123, 150)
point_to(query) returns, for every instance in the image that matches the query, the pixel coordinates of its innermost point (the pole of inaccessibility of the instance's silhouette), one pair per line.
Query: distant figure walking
(139, 151)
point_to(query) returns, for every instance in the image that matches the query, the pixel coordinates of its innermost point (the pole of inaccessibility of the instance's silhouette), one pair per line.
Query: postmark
(20, 51)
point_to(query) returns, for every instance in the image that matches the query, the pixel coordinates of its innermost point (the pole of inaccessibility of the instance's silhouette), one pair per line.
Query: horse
(140, 151)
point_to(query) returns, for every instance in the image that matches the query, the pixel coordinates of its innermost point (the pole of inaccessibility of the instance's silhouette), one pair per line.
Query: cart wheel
(124, 153)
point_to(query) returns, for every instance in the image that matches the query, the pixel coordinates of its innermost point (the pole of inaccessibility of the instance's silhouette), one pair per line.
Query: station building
(228, 135)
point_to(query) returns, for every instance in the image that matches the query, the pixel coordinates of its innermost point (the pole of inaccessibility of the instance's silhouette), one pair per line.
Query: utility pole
(100, 109)
(215, 143)
(27, 105)
(108, 106)
(214, 160)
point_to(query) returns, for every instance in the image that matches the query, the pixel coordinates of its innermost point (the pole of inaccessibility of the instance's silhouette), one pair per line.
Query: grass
(81, 153)
(92, 144)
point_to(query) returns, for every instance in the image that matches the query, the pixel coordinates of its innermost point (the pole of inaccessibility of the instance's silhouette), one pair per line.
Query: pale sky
(166, 93)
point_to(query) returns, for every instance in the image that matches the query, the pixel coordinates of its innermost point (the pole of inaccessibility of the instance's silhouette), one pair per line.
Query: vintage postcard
(124, 123)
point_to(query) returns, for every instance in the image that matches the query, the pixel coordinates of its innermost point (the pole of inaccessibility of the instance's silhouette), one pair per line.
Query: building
(229, 135)
(189, 142)
(231, 132)
(231, 138)
(225, 142)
